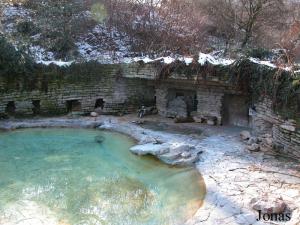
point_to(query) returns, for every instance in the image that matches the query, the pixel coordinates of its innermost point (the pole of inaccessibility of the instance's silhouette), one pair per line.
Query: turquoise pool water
(68, 176)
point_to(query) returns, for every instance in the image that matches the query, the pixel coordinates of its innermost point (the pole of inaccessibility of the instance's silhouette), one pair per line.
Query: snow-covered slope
(98, 43)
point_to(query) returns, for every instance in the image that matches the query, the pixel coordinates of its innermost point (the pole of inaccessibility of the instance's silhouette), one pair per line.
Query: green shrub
(27, 28)
(14, 63)
(64, 46)
(259, 53)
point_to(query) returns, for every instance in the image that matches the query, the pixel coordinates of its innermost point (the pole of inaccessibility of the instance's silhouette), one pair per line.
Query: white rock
(94, 114)
(245, 135)
(211, 122)
(197, 119)
(180, 148)
(269, 141)
(150, 148)
(253, 148)
(252, 140)
(267, 136)
(186, 154)
(288, 127)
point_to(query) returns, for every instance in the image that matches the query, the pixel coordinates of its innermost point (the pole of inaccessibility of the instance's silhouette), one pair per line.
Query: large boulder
(177, 108)
(150, 149)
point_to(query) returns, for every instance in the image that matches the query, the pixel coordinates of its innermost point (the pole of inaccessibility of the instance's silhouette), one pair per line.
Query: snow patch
(165, 60)
(11, 11)
(143, 59)
(58, 63)
(187, 60)
(207, 58)
(265, 63)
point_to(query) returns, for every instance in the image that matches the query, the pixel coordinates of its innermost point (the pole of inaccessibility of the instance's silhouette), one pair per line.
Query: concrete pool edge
(233, 176)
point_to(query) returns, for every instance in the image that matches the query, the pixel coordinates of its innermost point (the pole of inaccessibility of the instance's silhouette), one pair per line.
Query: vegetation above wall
(18, 72)
(280, 85)
(13, 61)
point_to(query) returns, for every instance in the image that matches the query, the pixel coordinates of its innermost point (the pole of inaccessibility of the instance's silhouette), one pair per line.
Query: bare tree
(290, 37)
(245, 19)
(159, 26)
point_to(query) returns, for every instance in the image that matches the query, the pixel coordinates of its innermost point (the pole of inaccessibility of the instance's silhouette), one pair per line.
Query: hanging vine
(258, 81)
(254, 80)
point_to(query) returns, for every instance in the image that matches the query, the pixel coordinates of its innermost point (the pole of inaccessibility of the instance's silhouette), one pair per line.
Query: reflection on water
(68, 176)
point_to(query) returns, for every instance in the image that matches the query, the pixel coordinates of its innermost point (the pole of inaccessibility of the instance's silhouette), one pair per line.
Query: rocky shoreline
(238, 182)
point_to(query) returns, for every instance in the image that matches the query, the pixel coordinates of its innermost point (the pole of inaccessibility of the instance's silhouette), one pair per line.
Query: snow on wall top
(203, 59)
(58, 63)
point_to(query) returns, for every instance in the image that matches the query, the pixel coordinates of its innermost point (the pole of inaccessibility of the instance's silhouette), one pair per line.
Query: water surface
(68, 176)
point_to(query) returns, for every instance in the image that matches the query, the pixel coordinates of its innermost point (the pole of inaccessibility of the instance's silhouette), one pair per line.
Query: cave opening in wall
(298, 105)
(235, 110)
(73, 105)
(195, 103)
(181, 103)
(10, 108)
(99, 103)
(36, 107)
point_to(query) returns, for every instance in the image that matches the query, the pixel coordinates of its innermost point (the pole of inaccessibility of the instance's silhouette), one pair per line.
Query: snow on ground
(12, 14)
(105, 45)
(40, 54)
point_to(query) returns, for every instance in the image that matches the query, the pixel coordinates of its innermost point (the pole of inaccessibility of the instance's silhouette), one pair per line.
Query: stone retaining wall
(285, 134)
(119, 94)
(288, 138)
